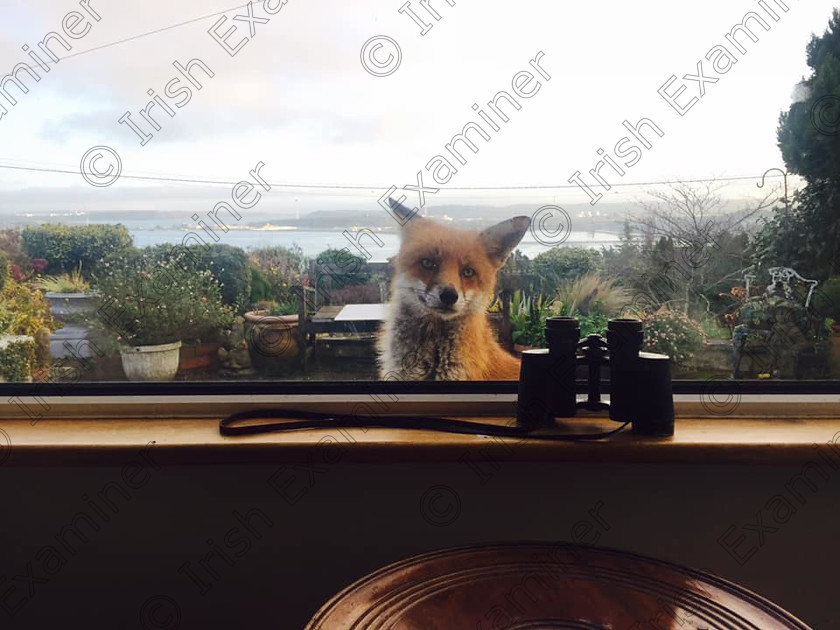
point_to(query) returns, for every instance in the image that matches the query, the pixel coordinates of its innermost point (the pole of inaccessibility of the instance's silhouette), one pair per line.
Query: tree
(808, 237)
(623, 262)
(808, 131)
(692, 235)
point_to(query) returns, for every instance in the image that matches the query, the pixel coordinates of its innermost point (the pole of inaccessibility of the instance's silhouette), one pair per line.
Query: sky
(297, 97)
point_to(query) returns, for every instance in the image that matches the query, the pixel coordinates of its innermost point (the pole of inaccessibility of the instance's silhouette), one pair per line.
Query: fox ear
(402, 214)
(501, 238)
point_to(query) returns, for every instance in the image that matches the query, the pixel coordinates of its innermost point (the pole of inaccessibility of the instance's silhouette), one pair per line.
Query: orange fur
(453, 341)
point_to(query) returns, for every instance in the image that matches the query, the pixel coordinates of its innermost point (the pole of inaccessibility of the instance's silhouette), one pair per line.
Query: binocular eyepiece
(640, 382)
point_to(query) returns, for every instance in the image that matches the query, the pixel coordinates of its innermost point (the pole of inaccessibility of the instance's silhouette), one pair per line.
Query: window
(288, 196)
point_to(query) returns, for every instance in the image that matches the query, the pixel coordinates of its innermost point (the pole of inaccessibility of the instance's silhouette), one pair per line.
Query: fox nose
(448, 296)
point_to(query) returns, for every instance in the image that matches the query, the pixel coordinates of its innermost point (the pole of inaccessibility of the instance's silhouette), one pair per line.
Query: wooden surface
(94, 441)
(326, 313)
(518, 586)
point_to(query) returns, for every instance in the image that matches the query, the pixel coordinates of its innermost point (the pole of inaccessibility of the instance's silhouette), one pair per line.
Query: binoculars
(640, 382)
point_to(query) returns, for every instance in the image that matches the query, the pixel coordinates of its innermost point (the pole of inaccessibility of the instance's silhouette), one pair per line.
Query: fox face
(448, 273)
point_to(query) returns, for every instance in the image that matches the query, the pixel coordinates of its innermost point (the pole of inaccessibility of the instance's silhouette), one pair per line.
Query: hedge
(65, 247)
(4, 269)
(564, 263)
(338, 268)
(17, 356)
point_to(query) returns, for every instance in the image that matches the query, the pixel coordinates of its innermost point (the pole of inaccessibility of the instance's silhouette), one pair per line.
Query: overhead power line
(152, 32)
(225, 182)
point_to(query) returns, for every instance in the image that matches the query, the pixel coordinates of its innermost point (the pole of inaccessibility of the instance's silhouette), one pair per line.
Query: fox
(436, 326)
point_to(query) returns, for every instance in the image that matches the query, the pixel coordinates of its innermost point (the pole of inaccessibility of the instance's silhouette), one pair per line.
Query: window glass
(332, 191)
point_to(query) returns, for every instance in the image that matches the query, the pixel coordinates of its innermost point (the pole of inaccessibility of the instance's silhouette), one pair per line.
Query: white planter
(151, 363)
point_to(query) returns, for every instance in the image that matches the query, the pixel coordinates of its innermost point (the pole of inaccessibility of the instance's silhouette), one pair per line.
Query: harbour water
(312, 242)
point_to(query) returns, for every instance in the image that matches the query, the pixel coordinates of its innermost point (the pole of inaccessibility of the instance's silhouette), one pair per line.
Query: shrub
(565, 263)
(72, 282)
(277, 308)
(260, 288)
(150, 301)
(228, 264)
(590, 294)
(360, 294)
(339, 268)
(5, 269)
(527, 319)
(11, 243)
(42, 347)
(672, 333)
(64, 247)
(712, 328)
(17, 357)
(282, 268)
(23, 310)
(826, 299)
(591, 298)
(592, 324)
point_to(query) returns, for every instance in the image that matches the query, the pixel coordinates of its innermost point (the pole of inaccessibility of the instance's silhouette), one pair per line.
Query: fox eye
(427, 263)
(468, 272)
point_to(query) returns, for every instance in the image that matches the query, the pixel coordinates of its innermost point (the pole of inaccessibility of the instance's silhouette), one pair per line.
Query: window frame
(303, 387)
(183, 399)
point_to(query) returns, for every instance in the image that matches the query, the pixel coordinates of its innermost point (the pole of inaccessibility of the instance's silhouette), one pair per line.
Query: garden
(82, 303)
(723, 294)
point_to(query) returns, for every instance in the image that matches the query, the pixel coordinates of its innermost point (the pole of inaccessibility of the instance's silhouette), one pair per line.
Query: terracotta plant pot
(150, 363)
(271, 336)
(200, 356)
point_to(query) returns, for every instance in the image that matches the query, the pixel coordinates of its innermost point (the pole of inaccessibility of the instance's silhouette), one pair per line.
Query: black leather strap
(293, 420)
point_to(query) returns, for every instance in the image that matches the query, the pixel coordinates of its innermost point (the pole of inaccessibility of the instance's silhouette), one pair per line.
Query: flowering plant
(282, 268)
(148, 301)
(672, 333)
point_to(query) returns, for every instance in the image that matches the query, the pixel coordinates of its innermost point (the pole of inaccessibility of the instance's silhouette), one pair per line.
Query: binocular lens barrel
(655, 396)
(563, 336)
(535, 400)
(624, 339)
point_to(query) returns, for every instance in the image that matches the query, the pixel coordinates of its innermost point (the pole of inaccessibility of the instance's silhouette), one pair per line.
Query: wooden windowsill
(103, 441)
